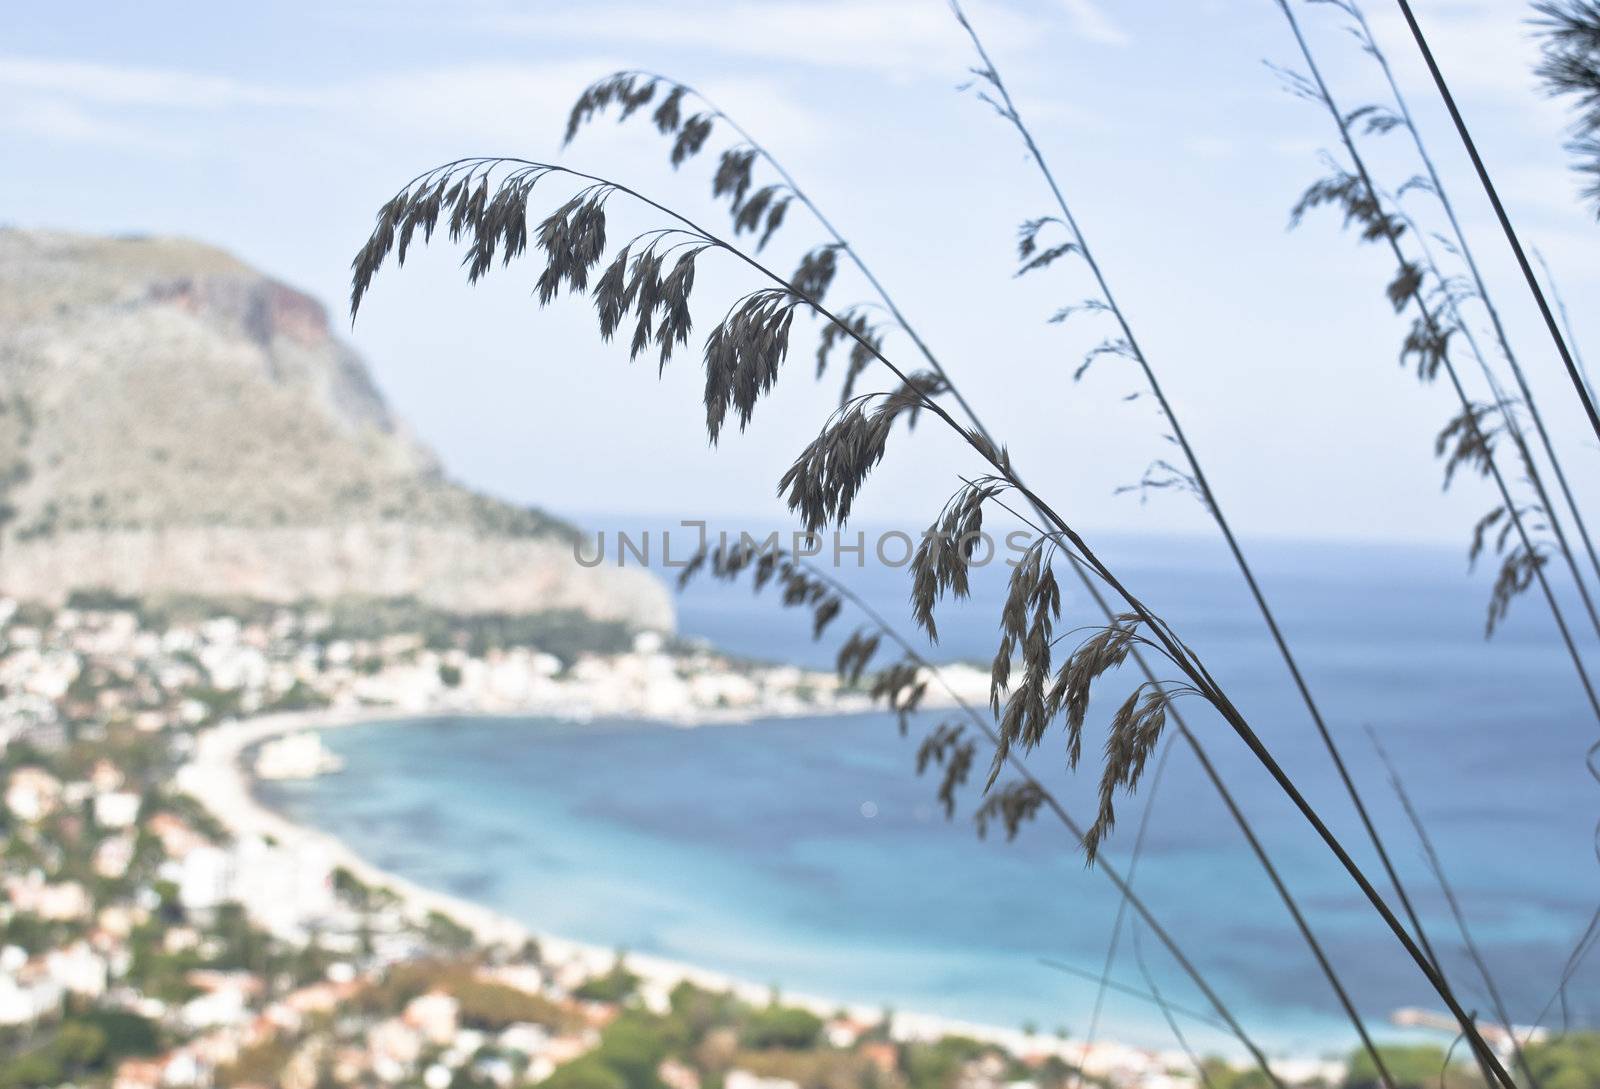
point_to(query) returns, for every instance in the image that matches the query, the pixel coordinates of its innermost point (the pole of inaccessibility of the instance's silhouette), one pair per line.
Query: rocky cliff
(173, 421)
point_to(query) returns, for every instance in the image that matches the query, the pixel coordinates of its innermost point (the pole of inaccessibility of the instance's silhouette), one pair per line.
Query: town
(162, 928)
(144, 942)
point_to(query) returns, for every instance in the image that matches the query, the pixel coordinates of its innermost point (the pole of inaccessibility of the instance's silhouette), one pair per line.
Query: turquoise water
(805, 852)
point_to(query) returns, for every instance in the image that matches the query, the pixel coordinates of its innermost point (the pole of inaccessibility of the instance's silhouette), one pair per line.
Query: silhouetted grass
(647, 286)
(733, 179)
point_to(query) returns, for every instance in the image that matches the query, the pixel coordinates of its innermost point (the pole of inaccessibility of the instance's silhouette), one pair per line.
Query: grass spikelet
(946, 747)
(855, 654)
(691, 138)
(1135, 731)
(1468, 440)
(743, 354)
(1010, 805)
(1517, 573)
(822, 484)
(733, 176)
(812, 279)
(941, 560)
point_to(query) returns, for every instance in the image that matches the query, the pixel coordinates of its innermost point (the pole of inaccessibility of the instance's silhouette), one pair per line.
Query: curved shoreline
(215, 777)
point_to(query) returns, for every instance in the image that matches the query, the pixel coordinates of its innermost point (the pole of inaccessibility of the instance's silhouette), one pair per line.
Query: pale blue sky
(275, 131)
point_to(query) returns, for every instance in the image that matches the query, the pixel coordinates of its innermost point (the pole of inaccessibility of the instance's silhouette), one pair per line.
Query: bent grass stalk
(743, 355)
(1413, 294)
(1166, 1011)
(1132, 992)
(1125, 890)
(1566, 319)
(1500, 213)
(1502, 404)
(1464, 247)
(1436, 865)
(1302, 924)
(1257, 848)
(1007, 108)
(1120, 919)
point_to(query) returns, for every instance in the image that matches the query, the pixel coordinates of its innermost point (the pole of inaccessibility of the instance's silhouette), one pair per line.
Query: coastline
(216, 777)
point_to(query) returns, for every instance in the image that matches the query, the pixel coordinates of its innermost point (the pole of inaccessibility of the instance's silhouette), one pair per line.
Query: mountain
(173, 421)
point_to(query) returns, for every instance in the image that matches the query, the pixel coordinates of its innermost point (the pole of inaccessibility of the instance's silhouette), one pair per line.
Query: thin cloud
(1092, 24)
(898, 37)
(525, 106)
(124, 85)
(1484, 46)
(497, 107)
(61, 122)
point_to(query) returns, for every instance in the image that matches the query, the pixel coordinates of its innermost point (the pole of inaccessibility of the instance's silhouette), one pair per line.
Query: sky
(276, 130)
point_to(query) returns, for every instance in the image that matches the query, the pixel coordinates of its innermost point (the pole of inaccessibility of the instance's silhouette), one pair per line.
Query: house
(25, 1000)
(435, 1015)
(883, 1054)
(205, 878)
(113, 857)
(225, 1006)
(743, 1079)
(844, 1032)
(178, 840)
(138, 1074)
(32, 794)
(393, 1047)
(677, 1075)
(105, 777)
(56, 903)
(77, 969)
(116, 809)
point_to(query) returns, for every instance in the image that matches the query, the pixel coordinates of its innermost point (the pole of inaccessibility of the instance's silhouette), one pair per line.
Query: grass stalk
(1500, 213)
(986, 727)
(1166, 1012)
(1131, 992)
(1257, 848)
(573, 240)
(1503, 405)
(1464, 248)
(1429, 319)
(1436, 865)
(1010, 112)
(1566, 319)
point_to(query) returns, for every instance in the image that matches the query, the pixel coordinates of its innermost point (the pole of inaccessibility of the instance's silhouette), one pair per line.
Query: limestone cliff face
(174, 421)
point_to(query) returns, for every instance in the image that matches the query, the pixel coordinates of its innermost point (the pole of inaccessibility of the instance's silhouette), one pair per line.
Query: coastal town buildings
(178, 935)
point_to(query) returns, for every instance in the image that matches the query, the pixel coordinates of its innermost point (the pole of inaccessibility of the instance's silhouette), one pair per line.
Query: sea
(807, 853)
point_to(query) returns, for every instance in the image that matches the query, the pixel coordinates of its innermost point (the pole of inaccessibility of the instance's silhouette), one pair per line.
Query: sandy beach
(217, 778)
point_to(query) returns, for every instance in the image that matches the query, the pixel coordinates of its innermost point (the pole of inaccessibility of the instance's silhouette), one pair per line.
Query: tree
(633, 1046)
(615, 986)
(782, 1027)
(1416, 1066)
(1565, 1062)
(587, 1072)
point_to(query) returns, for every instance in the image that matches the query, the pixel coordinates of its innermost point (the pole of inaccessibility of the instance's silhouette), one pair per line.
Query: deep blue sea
(807, 853)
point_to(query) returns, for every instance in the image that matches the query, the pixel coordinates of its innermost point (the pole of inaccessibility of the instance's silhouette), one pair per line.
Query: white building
(23, 1003)
(743, 1079)
(116, 809)
(78, 969)
(435, 1015)
(32, 794)
(296, 756)
(114, 855)
(205, 878)
(223, 1006)
(286, 891)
